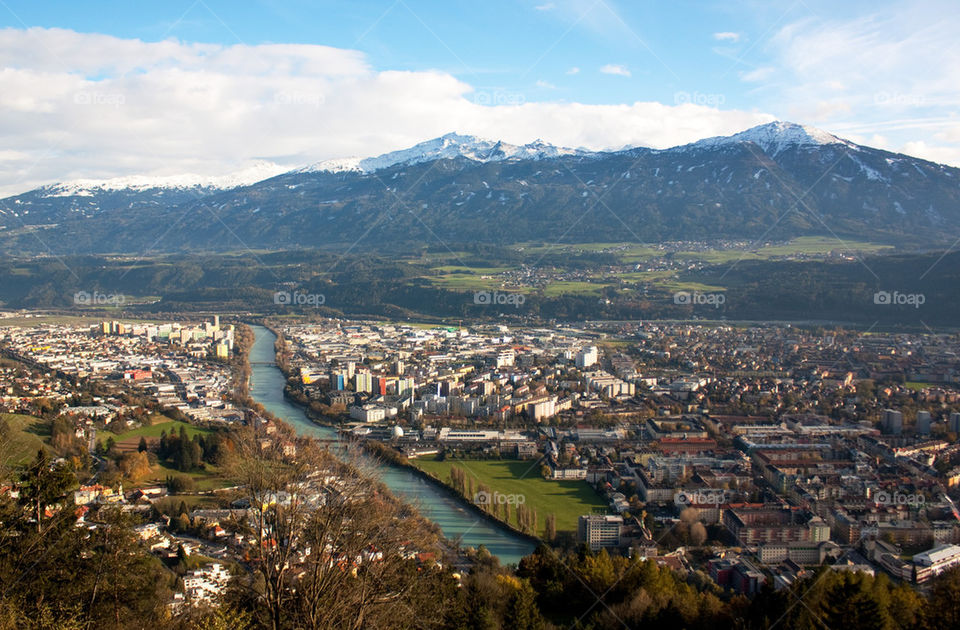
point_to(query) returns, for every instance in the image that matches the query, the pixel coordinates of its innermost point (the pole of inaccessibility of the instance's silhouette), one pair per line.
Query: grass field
(66, 320)
(690, 286)
(160, 424)
(464, 282)
(806, 245)
(564, 287)
(208, 479)
(27, 436)
(565, 499)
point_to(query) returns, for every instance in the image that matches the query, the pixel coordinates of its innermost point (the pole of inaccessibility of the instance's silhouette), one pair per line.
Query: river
(266, 387)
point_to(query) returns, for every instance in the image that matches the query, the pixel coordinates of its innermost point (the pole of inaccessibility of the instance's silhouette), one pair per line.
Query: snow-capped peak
(255, 172)
(449, 146)
(776, 136)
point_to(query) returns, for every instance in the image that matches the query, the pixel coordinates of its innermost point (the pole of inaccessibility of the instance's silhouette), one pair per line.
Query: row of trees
(187, 453)
(521, 515)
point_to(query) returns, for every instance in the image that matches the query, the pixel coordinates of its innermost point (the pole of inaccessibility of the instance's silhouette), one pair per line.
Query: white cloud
(546, 6)
(727, 36)
(895, 73)
(758, 74)
(545, 85)
(612, 68)
(78, 105)
(940, 154)
(573, 70)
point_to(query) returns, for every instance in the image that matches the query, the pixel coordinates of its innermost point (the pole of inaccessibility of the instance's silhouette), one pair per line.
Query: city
(513, 315)
(752, 455)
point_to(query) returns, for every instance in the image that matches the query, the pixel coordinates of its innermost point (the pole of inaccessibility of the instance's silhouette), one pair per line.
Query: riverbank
(314, 415)
(452, 515)
(384, 452)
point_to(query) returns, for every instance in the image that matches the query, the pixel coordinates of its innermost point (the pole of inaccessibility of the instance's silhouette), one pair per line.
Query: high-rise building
(587, 357)
(405, 386)
(923, 422)
(363, 382)
(892, 422)
(337, 380)
(955, 422)
(599, 531)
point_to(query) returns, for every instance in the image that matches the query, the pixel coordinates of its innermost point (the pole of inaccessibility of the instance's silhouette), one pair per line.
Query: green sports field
(565, 499)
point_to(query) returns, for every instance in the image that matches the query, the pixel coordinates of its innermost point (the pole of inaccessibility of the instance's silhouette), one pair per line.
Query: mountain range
(772, 182)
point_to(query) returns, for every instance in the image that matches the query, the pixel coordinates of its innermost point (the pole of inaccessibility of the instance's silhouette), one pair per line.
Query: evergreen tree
(184, 456)
(522, 611)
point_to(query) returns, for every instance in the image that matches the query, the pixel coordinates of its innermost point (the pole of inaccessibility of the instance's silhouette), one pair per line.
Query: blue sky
(666, 47)
(187, 78)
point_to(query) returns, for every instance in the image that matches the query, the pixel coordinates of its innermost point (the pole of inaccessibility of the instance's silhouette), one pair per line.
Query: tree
(135, 466)
(522, 611)
(77, 577)
(698, 534)
(550, 528)
(180, 483)
(185, 460)
(43, 484)
(356, 573)
(142, 447)
(943, 610)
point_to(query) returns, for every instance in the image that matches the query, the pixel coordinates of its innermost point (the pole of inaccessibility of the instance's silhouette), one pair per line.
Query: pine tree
(550, 528)
(184, 457)
(522, 611)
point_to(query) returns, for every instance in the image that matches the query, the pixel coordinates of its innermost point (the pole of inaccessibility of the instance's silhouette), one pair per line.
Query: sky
(105, 89)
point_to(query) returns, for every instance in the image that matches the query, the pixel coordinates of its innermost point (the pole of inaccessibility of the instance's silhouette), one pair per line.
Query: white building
(587, 357)
(203, 585)
(599, 531)
(368, 413)
(933, 562)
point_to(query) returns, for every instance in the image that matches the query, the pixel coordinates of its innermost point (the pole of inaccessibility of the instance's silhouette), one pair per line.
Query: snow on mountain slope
(775, 137)
(258, 171)
(449, 146)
